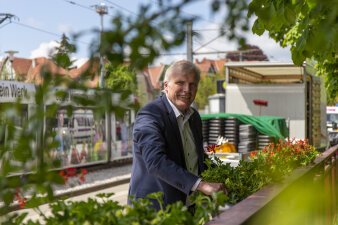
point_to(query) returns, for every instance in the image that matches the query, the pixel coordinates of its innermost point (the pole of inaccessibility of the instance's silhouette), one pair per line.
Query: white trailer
(287, 90)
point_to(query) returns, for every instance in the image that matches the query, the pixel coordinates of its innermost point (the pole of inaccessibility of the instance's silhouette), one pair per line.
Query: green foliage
(235, 17)
(207, 87)
(308, 27)
(63, 52)
(121, 78)
(27, 148)
(268, 166)
(240, 181)
(142, 38)
(106, 211)
(26, 145)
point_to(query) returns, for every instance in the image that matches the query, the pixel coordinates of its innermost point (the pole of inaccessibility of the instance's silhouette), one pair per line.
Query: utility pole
(189, 42)
(102, 10)
(5, 16)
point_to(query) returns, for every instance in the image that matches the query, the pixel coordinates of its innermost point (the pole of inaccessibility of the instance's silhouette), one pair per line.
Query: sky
(37, 26)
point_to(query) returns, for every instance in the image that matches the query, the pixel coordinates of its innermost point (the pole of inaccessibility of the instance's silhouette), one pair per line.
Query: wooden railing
(307, 196)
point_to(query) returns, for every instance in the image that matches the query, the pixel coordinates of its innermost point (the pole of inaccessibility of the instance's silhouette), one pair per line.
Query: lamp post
(11, 59)
(102, 10)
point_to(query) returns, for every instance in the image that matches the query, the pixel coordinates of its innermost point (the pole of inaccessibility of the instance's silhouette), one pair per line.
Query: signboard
(332, 109)
(11, 91)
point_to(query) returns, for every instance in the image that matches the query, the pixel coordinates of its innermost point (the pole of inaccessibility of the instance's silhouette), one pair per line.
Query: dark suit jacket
(158, 157)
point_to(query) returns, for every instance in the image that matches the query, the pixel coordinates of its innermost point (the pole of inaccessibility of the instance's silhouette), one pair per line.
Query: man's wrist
(194, 187)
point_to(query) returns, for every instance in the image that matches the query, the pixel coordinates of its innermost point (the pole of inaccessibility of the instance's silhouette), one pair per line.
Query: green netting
(267, 125)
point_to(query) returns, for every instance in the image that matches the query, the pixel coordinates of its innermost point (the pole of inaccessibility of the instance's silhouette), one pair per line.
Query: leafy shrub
(105, 211)
(270, 165)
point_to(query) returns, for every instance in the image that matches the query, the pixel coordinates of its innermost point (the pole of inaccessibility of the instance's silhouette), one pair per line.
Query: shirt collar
(178, 113)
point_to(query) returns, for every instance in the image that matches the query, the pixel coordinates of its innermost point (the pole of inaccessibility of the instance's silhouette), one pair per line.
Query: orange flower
(253, 154)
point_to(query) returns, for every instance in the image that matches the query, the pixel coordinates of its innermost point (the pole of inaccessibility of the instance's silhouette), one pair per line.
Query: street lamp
(102, 10)
(11, 59)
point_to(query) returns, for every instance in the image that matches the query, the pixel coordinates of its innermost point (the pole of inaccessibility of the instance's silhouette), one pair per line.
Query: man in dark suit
(168, 150)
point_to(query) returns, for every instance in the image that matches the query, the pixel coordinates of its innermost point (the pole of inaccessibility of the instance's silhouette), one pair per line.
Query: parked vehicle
(332, 124)
(289, 91)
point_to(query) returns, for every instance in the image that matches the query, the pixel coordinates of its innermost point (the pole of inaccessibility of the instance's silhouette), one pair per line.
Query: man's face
(181, 89)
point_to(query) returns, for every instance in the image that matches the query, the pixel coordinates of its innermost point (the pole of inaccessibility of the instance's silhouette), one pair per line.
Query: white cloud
(44, 50)
(34, 23)
(65, 28)
(79, 62)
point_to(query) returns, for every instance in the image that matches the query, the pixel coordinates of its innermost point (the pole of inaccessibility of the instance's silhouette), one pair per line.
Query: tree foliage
(142, 38)
(63, 51)
(28, 148)
(121, 78)
(207, 87)
(309, 27)
(253, 53)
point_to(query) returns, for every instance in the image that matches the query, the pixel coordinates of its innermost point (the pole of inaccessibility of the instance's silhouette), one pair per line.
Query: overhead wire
(5, 25)
(49, 32)
(209, 21)
(199, 30)
(37, 29)
(134, 13)
(121, 7)
(205, 44)
(127, 10)
(131, 12)
(79, 5)
(199, 43)
(43, 31)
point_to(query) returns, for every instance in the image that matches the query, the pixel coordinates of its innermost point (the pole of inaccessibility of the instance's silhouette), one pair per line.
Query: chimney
(33, 63)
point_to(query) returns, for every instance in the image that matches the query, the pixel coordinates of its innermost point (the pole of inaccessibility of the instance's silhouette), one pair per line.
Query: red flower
(22, 204)
(82, 179)
(84, 171)
(61, 173)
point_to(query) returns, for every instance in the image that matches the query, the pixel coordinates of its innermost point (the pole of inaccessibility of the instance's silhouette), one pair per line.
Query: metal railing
(308, 196)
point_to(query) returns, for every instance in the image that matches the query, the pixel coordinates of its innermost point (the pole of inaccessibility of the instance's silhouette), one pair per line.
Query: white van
(332, 117)
(332, 124)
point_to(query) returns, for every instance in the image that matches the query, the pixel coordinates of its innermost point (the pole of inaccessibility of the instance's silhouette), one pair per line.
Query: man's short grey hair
(182, 66)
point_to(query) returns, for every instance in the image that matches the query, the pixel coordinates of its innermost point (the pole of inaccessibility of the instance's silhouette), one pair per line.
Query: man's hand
(208, 188)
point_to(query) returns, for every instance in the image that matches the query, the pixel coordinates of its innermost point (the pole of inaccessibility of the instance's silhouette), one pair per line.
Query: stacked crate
(216, 127)
(247, 138)
(231, 130)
